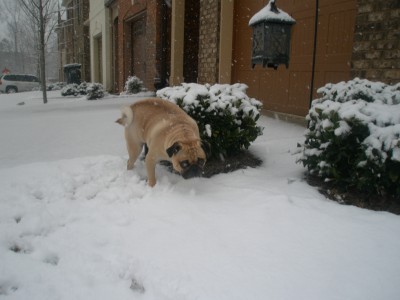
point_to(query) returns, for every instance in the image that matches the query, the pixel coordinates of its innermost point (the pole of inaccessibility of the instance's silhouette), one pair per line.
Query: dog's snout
(192, 171)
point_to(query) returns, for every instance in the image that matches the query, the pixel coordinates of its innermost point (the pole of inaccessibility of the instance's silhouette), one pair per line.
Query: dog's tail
(126, 116)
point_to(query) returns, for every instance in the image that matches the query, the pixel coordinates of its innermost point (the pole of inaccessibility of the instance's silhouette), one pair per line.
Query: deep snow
(74, 224)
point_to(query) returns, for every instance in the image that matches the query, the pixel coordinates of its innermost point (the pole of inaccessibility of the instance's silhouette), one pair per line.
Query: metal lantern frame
(271, 37)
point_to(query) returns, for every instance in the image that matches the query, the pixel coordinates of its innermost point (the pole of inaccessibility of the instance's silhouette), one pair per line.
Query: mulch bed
(352, 196)
(232, 163)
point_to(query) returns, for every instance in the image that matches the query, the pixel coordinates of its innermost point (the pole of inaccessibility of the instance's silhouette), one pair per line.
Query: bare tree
(12, 18)
(43, 14)
(5, 45)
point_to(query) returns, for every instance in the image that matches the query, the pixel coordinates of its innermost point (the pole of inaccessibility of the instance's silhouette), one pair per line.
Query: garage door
(289, 90)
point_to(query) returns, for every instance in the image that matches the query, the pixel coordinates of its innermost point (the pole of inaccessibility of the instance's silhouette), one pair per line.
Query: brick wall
(152, 43)
(208, 41)
(85, 41)
(376, 50)
(128, 13)
(76, 38)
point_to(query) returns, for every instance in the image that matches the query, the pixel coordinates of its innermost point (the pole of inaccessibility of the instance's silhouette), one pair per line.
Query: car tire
(11, 90)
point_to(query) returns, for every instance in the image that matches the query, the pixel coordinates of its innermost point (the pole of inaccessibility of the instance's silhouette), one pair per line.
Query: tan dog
(167, 133)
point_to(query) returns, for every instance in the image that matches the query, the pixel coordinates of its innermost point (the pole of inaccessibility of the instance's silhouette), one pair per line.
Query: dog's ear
(207, 148)
(175, 148)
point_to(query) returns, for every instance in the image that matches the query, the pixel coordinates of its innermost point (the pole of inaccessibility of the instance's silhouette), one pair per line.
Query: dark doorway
(191, 41)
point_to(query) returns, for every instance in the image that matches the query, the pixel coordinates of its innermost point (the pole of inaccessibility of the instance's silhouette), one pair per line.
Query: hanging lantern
(271, 36)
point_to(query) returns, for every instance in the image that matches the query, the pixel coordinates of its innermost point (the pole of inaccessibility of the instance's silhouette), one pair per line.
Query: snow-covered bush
(226, 116)
(82, 88)
(353, 137)
(133, 85)
(55, 86)
(94, 91)
(74, 89)
(91, 90)
(70, 90)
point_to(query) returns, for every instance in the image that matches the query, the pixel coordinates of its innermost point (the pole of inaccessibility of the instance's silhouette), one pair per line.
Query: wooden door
(289, 90)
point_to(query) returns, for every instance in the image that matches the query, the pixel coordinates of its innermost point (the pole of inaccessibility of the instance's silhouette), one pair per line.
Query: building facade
(73, 38)
(332, 41)
(101, 42)
(167, 42)
(140, 37)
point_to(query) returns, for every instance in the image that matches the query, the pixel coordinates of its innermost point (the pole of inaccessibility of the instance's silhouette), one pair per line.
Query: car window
(23, 77)
(10, 77)
(26, 78)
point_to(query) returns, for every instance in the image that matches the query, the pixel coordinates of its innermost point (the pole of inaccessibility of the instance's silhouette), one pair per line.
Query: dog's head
(189, 157)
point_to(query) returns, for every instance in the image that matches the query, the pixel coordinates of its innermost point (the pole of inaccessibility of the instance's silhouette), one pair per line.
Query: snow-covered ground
(74, 224)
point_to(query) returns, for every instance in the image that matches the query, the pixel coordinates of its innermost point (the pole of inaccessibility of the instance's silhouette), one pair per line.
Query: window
(10, 77)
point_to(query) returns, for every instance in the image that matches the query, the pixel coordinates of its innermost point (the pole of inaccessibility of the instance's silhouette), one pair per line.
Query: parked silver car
(14, 83)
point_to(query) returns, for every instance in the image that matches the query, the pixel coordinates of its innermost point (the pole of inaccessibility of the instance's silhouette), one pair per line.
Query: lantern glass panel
(271, 44)
(277, 45)
(258, 41)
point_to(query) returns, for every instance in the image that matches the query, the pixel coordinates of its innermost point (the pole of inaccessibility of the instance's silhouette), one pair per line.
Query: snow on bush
(70, 90)
(353, 137)
(55, 86)
(91, 90)
(82, 88)
(94, 91)
(133, 85)
(226, 116)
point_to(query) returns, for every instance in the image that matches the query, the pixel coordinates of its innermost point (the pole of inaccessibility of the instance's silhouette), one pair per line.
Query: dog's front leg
(151, 170)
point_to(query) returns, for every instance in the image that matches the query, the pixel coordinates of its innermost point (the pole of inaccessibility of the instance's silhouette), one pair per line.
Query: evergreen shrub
(133, 85)
(70, 90)
(226, 116)
(91, 90)
(94, 91)
(353, 136)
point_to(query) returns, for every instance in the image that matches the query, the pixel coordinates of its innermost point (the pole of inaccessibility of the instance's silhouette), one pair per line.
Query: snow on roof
(266, 14)
(72, 65)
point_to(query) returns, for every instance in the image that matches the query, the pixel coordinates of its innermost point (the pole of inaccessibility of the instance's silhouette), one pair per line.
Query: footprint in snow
(7, 288)
(20, 248)
(136, 286)
(17, 219)
(51, 259)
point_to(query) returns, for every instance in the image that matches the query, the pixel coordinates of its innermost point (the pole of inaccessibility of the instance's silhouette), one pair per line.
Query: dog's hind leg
(134, 150)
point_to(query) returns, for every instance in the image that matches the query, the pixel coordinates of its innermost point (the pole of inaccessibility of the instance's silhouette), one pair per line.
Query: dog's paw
(129, 165)
(151, 183)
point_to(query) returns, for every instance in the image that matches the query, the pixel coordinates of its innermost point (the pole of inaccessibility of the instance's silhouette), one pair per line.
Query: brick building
(376, 50)
(73, 37)
(136, 41)
(209, 37)
(332, 41)
(167, 42)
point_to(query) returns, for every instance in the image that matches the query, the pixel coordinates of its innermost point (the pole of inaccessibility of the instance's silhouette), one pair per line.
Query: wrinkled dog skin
(168, 133)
